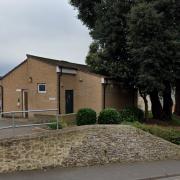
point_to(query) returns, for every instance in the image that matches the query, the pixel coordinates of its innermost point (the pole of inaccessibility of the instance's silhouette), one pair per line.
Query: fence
(12, 124)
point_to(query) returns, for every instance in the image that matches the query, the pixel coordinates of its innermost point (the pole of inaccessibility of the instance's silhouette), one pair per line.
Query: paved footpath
(164, 170)
(9, 133)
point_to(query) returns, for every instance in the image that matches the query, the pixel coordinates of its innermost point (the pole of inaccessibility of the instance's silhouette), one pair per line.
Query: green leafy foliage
(152, 44)
(107, 24)
(168, 134)
(95, 60)
(86, 9)
(53, 126)
(135, 42)
(86, 116)
(109, 116)
(131, 114)
(175, 120)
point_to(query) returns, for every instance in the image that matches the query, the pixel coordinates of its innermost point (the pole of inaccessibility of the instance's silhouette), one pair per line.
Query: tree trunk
(144, 96)
(167, 102)
(146, 107)
(146, 113)
(157, 110)
(177, 97)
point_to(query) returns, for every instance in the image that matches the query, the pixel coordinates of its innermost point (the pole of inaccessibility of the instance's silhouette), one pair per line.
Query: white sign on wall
(52, 98)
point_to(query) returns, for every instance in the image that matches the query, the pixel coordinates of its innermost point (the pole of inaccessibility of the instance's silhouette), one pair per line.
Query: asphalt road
(164, 170)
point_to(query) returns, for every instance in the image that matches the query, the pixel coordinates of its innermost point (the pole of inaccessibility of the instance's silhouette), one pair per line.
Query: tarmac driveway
(8, 133)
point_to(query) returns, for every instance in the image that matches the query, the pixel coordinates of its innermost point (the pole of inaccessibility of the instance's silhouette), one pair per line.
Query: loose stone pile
(84, 146)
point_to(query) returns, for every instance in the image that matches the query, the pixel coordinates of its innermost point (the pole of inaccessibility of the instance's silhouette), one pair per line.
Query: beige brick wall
(42, 73)
(87, 91)
(117, 97)
(18, 79)
(87, 88)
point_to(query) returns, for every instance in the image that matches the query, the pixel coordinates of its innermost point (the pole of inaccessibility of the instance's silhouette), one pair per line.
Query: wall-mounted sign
(52, 98)
(18, 90)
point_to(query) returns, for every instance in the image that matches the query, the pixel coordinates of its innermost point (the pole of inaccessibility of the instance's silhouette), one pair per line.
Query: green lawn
(175, 120)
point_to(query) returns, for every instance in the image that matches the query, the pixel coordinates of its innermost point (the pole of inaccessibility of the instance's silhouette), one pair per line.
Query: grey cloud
(45, 27)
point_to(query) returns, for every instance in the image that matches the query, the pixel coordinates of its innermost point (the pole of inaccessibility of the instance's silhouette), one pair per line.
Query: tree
(151, 41)
(177, 98)
(108, 53)
(96, 59)
(116, 51)
(144, 96)
(177, 82)
(177, 65)
(87, 11)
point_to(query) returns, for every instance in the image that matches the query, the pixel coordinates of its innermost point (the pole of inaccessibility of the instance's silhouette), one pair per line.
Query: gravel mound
(118, 143)
(83, 146)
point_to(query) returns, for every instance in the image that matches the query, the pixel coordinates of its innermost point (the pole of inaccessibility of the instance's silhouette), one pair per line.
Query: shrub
(131, 114)
(53, 126)
(86, 116)
(109, 116)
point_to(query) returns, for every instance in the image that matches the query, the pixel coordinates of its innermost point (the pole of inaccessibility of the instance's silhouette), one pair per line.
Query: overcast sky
(47, 28)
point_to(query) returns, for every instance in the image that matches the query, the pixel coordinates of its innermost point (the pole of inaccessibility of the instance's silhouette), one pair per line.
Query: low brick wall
(68, 118)
(83, 146)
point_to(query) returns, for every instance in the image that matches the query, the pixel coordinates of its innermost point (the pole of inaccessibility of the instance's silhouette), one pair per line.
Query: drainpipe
(104, 94)
(59, 74)
(2, 97)
(104, 98)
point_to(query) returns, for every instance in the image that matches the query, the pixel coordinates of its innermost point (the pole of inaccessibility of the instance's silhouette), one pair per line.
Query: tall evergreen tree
(108, 53)
(151, 40)
(177, 65)
(141, 59)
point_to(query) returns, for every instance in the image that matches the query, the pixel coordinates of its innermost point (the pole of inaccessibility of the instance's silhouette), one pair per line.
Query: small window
(41, 88)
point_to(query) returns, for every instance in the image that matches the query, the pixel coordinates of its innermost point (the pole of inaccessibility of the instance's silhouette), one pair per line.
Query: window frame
(38, 88)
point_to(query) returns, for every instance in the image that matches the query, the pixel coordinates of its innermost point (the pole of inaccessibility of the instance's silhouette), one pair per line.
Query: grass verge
(167, 133)
(53, 126)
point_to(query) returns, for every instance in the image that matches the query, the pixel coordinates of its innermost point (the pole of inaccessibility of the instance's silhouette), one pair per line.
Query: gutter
(104, 92)
(104, 96)
(59, 74)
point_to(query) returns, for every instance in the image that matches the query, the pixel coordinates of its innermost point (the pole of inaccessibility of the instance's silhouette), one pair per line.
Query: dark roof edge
(37, 57)
(92, 73)
(42, 58)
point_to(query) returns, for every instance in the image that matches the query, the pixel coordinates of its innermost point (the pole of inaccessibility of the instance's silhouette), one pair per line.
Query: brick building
(42, 83)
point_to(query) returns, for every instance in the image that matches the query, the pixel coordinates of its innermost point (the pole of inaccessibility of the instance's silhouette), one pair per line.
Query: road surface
(164, 170)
